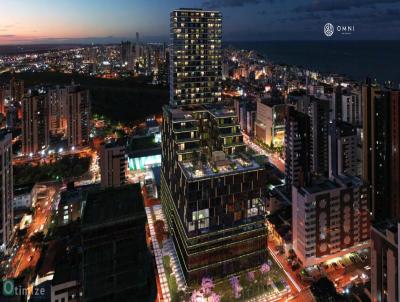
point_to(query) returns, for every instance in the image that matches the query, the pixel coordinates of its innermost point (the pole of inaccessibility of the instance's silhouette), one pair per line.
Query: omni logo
(329, 29)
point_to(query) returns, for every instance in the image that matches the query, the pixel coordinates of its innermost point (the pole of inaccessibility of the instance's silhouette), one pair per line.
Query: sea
(378, 60)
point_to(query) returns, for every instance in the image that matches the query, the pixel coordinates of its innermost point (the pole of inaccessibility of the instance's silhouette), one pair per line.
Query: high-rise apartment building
(380, 149)
(351, 107)
(6, 183)
(112, 165)
(137, 47)
(35, 123)
(16, 90)
(246, 110)
(2, 98)
(343, 157)
(78, 116)
(126, 54)
(212, 189)
(196, 57)
(319, 122)
(57, 100)
(270, 122)
(385, 261)
(395, 153)
(17, 93)
(297, 148)
(330, 218)
(11, 117)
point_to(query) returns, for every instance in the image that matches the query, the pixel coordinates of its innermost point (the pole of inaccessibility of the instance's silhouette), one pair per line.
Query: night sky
(104, 21)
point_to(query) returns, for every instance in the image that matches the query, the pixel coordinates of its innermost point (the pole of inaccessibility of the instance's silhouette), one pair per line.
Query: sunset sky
(86, 21)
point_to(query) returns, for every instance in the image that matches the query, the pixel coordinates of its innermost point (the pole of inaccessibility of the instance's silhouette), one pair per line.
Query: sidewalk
(158, 255)
(169, 250)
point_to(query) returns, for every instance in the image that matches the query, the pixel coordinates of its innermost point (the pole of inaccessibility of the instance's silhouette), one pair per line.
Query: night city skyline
(31, 22)
(199, 151)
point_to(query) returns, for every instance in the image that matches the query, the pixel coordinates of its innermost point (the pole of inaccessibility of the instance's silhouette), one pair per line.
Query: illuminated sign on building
(141, 163)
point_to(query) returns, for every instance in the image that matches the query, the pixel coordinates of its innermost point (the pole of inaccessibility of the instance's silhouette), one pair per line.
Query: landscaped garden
(267, 280)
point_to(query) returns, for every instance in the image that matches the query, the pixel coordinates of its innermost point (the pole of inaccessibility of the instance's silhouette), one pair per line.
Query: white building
(351, 108)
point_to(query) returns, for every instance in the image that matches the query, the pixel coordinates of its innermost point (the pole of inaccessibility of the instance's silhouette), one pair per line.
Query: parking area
(345, 271)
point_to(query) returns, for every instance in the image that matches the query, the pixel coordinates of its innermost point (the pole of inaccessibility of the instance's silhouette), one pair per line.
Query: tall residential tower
(212, 189)
(35, 123)
(196, 57)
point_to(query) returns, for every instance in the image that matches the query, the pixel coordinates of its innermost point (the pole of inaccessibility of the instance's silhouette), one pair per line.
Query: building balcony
(186, 140)
(185, 129)
(233, 144)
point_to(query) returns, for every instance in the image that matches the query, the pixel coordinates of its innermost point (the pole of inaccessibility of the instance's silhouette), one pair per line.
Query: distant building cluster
(106, 61)
(55, 113)
(254, 162)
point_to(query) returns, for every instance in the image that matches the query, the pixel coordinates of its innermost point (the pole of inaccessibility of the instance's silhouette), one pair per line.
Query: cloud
(331, 5)
(374, 17)
(231, 3)
(5, 27)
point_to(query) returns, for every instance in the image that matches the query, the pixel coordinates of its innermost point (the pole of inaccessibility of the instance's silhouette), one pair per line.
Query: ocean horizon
(354, 59)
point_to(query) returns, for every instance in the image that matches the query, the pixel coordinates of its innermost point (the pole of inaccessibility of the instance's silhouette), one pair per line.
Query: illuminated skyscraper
(57, 99)
(196, 59)
(35, 122)
(78, 116)
(212, 189)
(16, 90)
(126, 53)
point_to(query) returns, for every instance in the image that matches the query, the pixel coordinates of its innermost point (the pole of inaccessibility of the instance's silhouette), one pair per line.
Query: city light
(236, 159)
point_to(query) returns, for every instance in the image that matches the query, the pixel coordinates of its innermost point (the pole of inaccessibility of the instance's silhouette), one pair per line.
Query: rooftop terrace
(220, 111)
(212, 168)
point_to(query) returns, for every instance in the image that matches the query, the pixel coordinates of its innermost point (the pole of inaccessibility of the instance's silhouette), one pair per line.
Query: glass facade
(196, 59)
(212, 190)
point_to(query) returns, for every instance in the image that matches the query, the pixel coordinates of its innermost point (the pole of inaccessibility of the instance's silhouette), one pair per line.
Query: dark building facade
(35, 124)
(112, 164)
(297, 148)
(117, 265)
(395, 152)
(381, 149)
(385, 262)
(319, 112)
(126, 52)
(213, 199)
